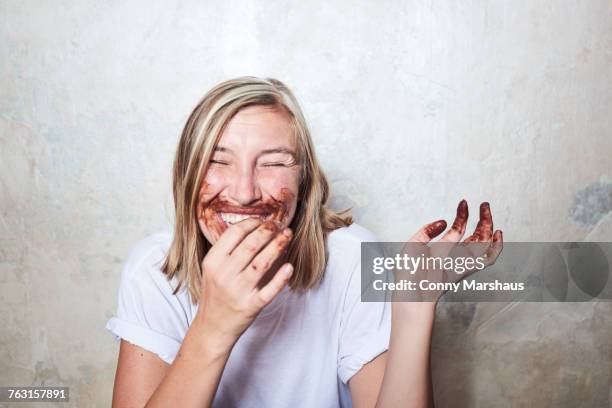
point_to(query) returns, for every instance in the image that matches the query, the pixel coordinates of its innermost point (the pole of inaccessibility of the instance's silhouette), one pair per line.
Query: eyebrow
(265, 151)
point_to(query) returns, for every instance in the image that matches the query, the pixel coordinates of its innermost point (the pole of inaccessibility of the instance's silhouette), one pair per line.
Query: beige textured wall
(413, 105)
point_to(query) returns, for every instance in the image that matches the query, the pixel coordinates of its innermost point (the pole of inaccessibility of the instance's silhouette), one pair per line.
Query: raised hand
(232, 290)
(482, 243)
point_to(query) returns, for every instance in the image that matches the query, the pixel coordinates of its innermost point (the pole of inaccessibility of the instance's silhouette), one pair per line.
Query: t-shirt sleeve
(365, 328)
(148, 314)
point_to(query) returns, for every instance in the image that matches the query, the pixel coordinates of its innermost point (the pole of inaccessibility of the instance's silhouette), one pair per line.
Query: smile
(233, 218)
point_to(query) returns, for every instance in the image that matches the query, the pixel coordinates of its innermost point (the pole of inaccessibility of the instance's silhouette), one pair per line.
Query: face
(253, 172)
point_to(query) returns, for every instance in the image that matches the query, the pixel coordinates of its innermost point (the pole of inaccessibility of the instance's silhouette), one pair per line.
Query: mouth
(232, 218)
(217, 215)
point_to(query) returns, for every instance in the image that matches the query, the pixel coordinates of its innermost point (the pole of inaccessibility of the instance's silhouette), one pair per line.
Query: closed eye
(219, 162)
(277, 164)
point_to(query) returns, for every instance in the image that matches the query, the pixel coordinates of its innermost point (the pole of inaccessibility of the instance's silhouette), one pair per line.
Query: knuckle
(208, 264)
(282, 243)
(260, 301)
(214, 280)
(260, 266)
(242, 306)
(251, 248)
(265, 235)
(240, 227)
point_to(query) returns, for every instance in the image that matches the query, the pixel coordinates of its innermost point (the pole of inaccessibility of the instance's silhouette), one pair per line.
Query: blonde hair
(312, 220)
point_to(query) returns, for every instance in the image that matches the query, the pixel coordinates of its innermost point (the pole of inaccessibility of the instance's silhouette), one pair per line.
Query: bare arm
(139, 372)
(230, 301)
(406, 381)
(407, 378)
(144, 379)
(193, 377)
(365, 384)
(405, 366)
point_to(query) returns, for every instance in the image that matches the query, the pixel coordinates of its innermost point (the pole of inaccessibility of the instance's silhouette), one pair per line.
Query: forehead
(258, 126)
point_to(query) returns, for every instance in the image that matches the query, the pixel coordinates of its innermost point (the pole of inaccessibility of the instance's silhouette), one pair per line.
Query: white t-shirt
(301, 349)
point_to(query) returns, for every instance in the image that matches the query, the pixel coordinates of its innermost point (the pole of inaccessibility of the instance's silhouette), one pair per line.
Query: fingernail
(287, 232)
(287, 270)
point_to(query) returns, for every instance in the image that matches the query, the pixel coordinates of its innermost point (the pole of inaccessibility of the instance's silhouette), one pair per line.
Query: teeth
(231, 218)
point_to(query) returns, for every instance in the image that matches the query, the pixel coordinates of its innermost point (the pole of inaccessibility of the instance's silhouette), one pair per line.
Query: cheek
(211, 185)
(275, 184)
(208, 220)
(284, 187)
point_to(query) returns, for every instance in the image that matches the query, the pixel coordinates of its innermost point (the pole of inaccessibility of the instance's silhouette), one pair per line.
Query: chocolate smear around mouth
(272, 209)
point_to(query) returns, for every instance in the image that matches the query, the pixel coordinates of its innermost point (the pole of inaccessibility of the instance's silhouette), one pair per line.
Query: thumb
(429, 232)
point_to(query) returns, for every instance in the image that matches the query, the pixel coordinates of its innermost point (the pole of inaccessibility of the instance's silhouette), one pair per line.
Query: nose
(244, 188)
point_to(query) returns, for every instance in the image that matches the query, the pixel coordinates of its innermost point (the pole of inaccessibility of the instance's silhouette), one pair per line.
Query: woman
(255, 299)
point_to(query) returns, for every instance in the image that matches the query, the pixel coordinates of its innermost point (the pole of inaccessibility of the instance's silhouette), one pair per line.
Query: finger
(495, 249)
(276, 284)
(429, 232)
(266, 258)
(254, 242)
(484, 228)
(458, 229)
(235, 234)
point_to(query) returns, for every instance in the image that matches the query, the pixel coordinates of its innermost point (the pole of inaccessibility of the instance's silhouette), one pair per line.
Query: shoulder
(351, 234)
(148, 313)
(146, 258)
(145, 292)
(149, 248)
(344, 253)
(349, 238)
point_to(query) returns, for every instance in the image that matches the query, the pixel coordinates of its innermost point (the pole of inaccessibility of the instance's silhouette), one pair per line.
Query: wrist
(210, 339)
(414, 313)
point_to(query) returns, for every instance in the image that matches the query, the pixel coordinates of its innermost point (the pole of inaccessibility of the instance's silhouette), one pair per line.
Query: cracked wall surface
(412, 105)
